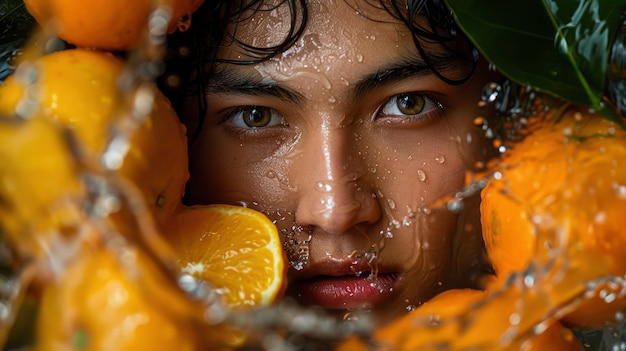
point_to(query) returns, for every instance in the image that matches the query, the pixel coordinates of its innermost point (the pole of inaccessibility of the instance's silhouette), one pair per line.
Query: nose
(334, 192)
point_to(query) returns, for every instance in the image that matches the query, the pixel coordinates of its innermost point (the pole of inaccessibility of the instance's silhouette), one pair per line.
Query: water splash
(296, 245)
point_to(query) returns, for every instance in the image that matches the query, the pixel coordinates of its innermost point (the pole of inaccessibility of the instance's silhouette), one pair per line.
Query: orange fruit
(116, 299)
(105, 24)
(236, 249)
(467, 319)
(79, 89)
(603, 304)
(556, 209)
(40, 194)
(554, 337)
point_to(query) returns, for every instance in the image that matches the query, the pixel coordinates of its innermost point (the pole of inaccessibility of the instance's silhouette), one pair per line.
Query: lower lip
(345, 292)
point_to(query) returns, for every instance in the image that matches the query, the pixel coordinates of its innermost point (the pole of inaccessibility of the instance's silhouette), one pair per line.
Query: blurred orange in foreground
(40, 192)
(555, 213)
(236, 249)
(106, 24)
(80, 90)
(473, 320)
(116, 300)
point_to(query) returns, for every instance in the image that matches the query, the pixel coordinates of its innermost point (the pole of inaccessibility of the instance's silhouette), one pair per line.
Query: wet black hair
(193, 54)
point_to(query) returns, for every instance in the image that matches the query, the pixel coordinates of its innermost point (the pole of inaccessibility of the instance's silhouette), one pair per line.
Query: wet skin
(348, 136)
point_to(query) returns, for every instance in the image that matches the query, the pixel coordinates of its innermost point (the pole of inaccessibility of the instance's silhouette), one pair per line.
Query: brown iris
(256, 116)
(410, 103)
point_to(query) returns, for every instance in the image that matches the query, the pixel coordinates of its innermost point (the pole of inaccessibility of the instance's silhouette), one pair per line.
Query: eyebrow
(407, 68)
(226, 80)
(230, 81)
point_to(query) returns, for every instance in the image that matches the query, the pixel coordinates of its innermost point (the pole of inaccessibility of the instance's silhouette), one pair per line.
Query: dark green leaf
(15, 26)
(557, 46)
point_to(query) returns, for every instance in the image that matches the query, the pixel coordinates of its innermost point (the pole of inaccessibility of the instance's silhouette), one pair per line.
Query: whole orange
(105, 24)
(78, 89)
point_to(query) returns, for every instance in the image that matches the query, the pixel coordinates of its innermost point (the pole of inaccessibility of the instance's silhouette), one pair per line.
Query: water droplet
(359, 58)
(387, 233)
(440, 159)
(158, 20)
(391, 203)
(270, 174)
(529, 280)
(514, 319)
(620, 191)
(491, 92)
(406, 221)
(332, 100)
(455, 205)
(421, 175)
(410, 308)
(324, 187)
(600, 217)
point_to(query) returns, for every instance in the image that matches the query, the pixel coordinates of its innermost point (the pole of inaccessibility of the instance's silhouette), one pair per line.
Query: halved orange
(236, 249)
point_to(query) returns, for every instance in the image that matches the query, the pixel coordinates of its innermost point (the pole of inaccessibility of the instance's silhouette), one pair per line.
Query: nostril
(332, 207)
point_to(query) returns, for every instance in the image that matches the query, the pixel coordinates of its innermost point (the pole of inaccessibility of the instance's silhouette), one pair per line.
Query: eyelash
(235, 118)
(431, 107)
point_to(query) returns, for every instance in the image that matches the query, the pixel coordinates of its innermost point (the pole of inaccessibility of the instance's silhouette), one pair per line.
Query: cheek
(415, 170)
(222, 172)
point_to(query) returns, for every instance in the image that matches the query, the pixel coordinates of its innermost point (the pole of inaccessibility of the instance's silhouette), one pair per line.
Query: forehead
(336, 31)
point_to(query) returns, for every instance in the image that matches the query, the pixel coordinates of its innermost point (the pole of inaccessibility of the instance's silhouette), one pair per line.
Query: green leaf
(15, 27)
(557, 46)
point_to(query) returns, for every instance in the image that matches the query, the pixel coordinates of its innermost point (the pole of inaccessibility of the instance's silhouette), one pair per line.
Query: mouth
(338, 290)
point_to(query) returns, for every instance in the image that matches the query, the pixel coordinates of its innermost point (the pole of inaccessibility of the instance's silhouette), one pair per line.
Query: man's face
(351, 144)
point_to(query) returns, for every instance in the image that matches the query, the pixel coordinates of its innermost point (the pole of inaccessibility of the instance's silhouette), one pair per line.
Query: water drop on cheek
(421, 175)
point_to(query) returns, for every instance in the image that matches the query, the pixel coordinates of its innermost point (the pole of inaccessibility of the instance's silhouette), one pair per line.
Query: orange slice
(236, 249)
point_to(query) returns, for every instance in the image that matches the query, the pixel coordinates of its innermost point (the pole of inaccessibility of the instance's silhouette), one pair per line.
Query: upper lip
(336, 268)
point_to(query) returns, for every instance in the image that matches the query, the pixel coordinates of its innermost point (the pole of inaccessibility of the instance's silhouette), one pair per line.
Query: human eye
(413, 105)
(254, 117)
